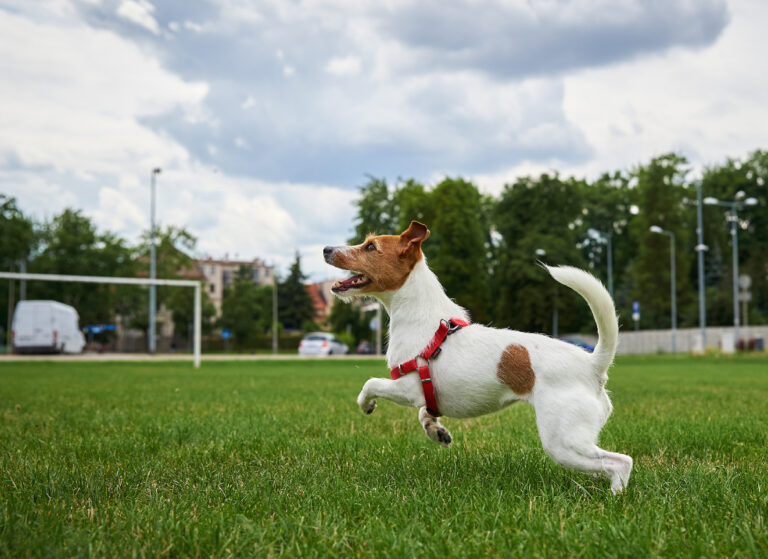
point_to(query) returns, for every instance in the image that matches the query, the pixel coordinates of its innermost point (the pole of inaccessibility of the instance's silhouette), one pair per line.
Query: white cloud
(192, 26)
(343, 66)
(139, 12)
(706, 105)
(68, 105)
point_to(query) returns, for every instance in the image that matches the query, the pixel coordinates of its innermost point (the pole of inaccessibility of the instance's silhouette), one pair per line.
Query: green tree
(412, 202)
(70, 244)
(376, 211)
(456, 249)
(174, 247)
(610, 206)
(16, 231)
(349, 317)
(533, 214)
(724, 182)
(294, 302)
(661, 194)
(18, 239)
(246, 309)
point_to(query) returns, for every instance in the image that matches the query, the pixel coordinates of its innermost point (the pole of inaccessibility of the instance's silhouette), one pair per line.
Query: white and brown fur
(480, 369)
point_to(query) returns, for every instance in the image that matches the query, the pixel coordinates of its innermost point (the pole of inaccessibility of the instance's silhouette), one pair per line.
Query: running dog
(466, 370)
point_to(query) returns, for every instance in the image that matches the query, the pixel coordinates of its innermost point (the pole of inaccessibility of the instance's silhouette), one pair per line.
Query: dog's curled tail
(601, 305)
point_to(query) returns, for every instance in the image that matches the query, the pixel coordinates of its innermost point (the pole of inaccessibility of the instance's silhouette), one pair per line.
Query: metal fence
(687, 339)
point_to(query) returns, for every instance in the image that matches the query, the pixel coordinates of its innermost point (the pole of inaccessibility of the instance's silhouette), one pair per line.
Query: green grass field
(275, 459)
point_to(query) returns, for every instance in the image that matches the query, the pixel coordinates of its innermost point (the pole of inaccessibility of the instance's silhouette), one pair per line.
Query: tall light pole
(672, 281)
(733, 217)
(152, 268)
(275, 333)
(701, 248)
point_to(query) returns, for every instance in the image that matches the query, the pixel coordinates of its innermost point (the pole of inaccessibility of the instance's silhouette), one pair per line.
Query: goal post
(126, 281)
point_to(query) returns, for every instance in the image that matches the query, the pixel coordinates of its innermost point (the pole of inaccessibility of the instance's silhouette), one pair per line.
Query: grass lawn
(275, 459)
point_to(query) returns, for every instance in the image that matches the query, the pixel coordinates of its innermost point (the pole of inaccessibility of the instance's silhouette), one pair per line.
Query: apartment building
(219, 274)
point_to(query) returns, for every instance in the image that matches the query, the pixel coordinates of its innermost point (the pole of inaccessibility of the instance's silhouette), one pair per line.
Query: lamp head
(156, 171)
(751, 201)
(656, 229)
(710, 201)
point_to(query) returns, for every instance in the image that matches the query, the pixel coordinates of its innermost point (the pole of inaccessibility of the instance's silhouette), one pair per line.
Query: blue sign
(636, 310)
(98, 328)
(226, 334)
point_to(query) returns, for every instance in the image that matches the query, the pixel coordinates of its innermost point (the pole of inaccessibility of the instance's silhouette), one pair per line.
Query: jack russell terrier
(463, 370)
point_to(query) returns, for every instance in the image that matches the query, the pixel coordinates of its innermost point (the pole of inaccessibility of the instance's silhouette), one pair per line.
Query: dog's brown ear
(413, 236)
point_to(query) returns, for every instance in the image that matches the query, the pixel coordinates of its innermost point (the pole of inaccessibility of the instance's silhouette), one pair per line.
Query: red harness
(429, 353)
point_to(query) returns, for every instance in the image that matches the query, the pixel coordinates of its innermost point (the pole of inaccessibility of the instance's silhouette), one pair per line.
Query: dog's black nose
(327, 251)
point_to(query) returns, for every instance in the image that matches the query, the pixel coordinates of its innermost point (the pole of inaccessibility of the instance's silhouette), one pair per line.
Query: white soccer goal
(124, 281)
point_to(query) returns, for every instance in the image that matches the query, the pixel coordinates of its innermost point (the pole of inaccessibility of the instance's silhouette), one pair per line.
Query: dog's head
(380, 263)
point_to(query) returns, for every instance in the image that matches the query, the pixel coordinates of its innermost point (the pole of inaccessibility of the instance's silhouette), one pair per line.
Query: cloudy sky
(266, 115)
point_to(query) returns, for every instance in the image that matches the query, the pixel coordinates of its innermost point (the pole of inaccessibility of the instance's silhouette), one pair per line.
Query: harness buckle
(453, 328)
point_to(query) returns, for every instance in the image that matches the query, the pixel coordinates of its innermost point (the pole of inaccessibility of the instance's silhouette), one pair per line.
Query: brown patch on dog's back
(515, 369)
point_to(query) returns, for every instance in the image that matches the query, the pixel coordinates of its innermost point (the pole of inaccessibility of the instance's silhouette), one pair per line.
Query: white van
(46, 327)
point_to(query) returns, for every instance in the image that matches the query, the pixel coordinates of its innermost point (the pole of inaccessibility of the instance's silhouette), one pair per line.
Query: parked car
(322, 343)
(364, 348)
(46, 327)
(581, 344)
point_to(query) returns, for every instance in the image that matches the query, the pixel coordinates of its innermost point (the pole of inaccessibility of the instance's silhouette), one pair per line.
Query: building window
(227, 278)
(256, 274)
(211, 288)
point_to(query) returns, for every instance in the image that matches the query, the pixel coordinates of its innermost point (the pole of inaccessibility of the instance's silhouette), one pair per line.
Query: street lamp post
(733, 218)
(672, 281)
(701, 248)
(152, 268)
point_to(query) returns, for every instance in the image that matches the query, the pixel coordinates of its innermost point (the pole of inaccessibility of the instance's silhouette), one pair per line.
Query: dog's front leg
(402, 391)
(432, 427)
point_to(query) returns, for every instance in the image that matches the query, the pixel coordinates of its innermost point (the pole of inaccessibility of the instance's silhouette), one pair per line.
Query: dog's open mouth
(355, 282)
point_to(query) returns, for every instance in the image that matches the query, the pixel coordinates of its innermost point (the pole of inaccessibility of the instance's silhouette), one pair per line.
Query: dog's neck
(415, 311)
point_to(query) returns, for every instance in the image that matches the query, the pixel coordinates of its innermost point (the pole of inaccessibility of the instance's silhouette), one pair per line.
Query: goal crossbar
(125, 281)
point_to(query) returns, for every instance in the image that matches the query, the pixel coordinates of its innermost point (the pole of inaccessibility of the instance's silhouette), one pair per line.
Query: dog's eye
(369, 247)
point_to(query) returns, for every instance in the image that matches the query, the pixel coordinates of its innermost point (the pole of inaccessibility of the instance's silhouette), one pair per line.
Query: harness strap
(429, 353)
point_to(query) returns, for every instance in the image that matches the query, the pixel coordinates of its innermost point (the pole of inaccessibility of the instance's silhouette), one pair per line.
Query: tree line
(484, 248)
(69, 243)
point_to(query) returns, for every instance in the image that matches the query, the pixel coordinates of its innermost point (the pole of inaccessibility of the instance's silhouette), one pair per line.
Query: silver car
(322, 343)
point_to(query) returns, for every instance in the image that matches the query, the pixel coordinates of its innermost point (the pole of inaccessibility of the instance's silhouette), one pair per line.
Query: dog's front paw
(366, 406)
(439, 434)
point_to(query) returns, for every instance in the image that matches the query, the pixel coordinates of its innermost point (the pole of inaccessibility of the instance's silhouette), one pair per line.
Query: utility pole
(733, 219)
(8, 333)
(23, 282)
(152, 265)
(672, 281)
(274, 311)
(701, 248)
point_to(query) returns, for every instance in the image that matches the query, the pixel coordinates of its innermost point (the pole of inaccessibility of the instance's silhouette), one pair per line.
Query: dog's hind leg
(569, 425)
(402, 391)
(432, 427)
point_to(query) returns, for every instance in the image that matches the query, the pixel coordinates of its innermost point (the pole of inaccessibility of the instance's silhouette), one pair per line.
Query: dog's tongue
(348, 283)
